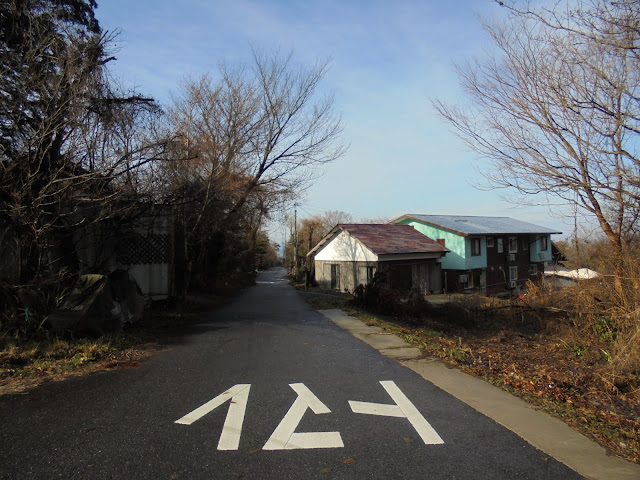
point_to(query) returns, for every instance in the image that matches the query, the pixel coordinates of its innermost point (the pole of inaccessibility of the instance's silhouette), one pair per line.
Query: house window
(365, 274)
(525, 243)
(533, 269)
(544, 244)
(475, 247)
(500, 246)
(489, 242)
(513, 274)
(335, 276)
(371, 271)
(513, 244)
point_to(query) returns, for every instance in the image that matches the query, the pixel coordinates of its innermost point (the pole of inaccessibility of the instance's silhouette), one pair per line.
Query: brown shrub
(608, 308)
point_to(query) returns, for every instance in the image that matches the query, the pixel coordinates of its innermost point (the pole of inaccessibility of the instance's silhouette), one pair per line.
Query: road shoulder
(539, 429)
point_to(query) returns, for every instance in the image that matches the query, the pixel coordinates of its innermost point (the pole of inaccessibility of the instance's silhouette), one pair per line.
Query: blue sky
(389, 60)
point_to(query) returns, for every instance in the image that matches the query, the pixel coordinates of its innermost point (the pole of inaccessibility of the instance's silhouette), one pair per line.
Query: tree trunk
(619, 273)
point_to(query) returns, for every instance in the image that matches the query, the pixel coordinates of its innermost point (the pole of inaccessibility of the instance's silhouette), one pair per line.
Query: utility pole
(284, 246)
(295, 244)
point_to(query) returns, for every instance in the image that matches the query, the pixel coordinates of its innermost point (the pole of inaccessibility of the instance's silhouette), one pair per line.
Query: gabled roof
(466, 225)
(384, 239)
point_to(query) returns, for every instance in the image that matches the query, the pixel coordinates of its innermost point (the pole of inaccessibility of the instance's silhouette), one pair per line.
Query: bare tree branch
(556, 108)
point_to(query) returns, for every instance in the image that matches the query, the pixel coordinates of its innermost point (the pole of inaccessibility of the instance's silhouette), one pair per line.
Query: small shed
(351, 254)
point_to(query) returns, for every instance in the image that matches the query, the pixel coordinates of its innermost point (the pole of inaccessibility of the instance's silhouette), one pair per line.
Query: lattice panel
(145, 249)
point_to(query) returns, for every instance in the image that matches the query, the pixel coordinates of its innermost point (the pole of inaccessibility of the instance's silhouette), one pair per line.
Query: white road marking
(238, 396)
(376, 409)
(284, 436)
(402, 408)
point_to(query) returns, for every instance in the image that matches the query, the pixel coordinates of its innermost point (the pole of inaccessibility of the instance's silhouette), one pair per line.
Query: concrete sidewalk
(541, 430)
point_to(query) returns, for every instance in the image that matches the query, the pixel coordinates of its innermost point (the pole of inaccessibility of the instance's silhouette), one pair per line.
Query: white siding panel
(345, 248)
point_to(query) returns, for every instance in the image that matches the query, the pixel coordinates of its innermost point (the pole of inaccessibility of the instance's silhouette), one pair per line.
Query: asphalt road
(284, 377)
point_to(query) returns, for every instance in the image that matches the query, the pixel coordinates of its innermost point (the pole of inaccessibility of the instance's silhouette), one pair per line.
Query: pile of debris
(99, 304)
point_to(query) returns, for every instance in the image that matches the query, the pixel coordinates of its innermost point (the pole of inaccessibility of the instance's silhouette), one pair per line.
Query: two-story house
(490, 254)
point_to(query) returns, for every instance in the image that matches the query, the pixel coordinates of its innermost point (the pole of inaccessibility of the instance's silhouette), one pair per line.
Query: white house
(351, 254)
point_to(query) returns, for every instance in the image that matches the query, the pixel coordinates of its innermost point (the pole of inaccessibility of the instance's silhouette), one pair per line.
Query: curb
(540, 429)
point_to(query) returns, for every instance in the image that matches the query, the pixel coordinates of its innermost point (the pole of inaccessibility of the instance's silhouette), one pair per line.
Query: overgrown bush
(615, 319)
(605, 310)
(23, 310)
(376, 297)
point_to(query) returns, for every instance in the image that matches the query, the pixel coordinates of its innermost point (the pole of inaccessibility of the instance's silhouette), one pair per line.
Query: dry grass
(559, 369)
(572, 352)
(26, 363)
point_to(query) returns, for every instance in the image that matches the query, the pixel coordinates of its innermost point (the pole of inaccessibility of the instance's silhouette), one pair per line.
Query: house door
(420, 279)
(335, 277)
(401, 277)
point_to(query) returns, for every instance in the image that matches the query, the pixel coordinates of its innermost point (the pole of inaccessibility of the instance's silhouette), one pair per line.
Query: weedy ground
(26, 363)
(549, 359)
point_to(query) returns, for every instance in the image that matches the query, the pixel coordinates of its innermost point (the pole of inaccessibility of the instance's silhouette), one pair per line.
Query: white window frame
(544, 244)
(371, 272)
(513, 270)
(500, 245)
(489, 242)
(473, 241)
(513, 244)
(335, 268)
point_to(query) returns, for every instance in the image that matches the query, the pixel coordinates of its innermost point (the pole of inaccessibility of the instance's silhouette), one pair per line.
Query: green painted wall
(535, 249)
(459, 258)
(479, 261)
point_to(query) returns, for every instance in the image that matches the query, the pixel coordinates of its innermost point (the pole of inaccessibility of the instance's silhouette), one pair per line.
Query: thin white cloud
(389, 60)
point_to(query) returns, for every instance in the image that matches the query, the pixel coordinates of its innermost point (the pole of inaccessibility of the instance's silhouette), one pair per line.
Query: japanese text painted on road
(285, 437)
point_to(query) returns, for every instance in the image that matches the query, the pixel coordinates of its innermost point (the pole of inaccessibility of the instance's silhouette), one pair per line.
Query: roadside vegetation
(27, 364)
(28, 361)
(553, 107)
(572, 352)
(96, 177)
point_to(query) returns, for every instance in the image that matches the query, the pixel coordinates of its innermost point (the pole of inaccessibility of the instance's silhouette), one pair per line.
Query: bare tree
(331, 218)
(262, 123)
(309, 232)
(556, 109)
(378, 219)
(59, 122)
(248, 142)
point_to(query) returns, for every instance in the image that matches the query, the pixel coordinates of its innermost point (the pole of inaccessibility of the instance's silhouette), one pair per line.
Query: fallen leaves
(536, 367)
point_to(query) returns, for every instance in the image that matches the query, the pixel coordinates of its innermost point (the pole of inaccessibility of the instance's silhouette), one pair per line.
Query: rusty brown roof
(391, 239)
